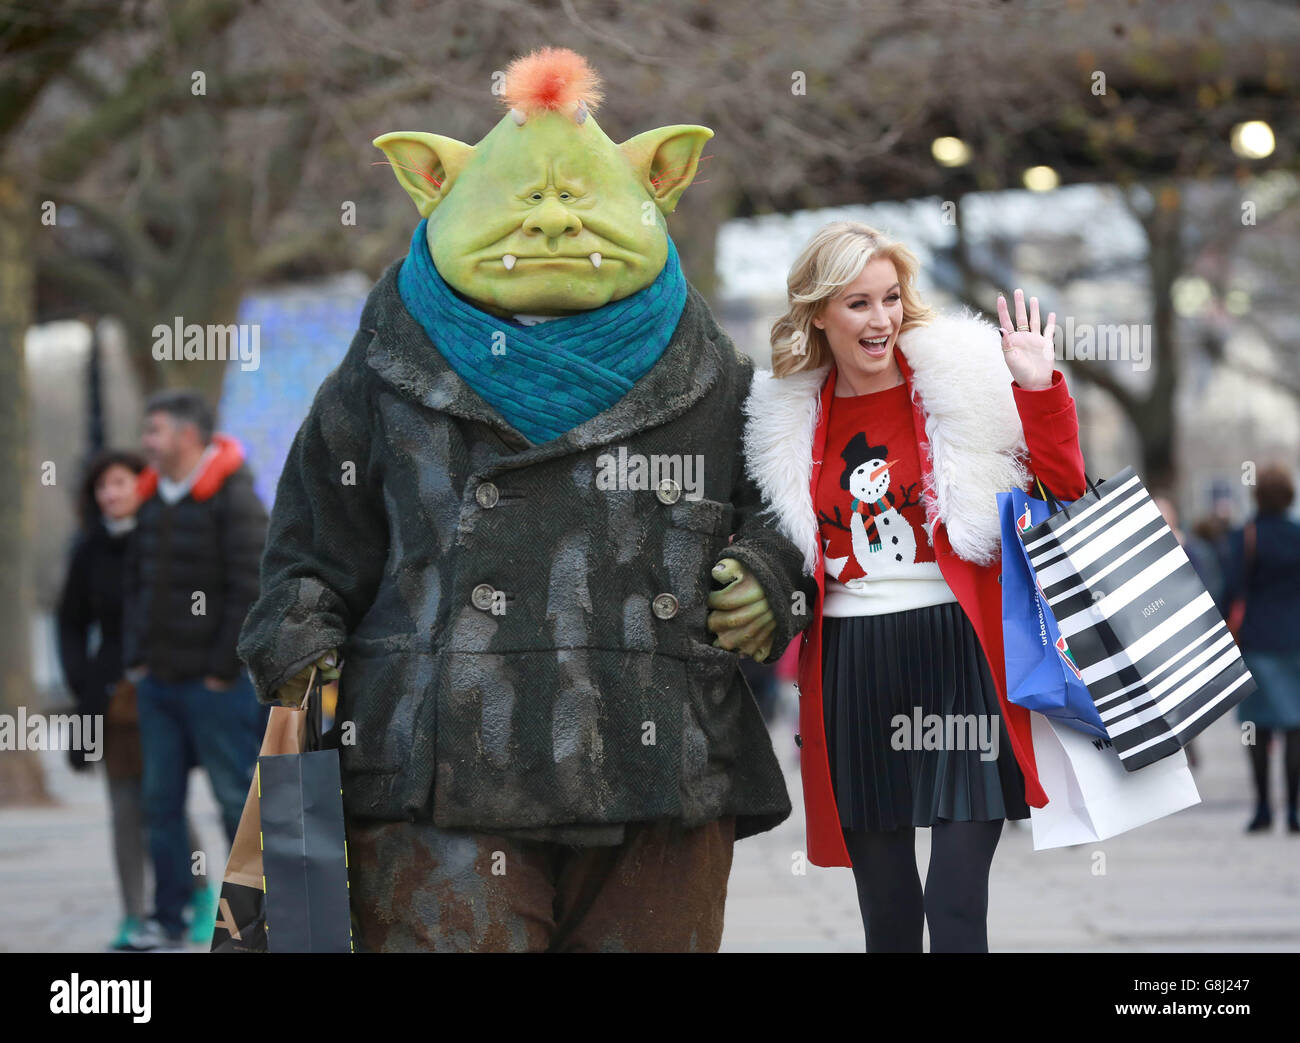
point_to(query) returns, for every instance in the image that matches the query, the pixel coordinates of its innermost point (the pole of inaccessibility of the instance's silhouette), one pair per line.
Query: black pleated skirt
(914, 731)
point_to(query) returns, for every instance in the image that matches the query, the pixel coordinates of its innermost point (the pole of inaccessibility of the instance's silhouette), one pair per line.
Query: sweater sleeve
(1051, 427)
(327, 541)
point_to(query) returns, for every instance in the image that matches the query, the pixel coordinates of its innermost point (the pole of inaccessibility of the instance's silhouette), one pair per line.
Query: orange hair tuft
(553, 79)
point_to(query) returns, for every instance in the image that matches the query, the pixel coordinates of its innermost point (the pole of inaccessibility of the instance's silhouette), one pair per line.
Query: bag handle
(306, 695)
(311, 741)
(1056, 504)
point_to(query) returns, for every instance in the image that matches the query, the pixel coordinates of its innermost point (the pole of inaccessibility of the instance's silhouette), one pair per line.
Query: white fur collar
(977, 446)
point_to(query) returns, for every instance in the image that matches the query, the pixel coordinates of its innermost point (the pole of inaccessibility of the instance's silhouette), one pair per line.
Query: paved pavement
(58, 887)
(1191, 882)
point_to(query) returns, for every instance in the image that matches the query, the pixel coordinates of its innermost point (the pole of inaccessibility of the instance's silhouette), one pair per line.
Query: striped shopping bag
(1155, 653)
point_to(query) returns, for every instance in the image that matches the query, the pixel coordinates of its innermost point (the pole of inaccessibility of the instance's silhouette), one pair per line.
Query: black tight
(956, 896)
(1291, 763)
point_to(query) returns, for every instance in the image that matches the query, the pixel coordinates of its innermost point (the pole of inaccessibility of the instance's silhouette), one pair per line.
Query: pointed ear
(665, 160)
(426, 165)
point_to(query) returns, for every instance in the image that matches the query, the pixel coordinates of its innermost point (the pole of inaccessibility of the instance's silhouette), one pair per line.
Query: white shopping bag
(1090, 794)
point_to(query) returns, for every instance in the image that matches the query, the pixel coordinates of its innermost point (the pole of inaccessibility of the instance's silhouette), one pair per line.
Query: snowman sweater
(869, 511)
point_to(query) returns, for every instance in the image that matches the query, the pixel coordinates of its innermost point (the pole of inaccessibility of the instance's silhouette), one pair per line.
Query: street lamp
(1253, 139)
(1040, 179)
(950, 152)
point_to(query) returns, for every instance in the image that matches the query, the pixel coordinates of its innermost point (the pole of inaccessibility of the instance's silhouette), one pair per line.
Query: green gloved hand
(742, 618)
(291, 693)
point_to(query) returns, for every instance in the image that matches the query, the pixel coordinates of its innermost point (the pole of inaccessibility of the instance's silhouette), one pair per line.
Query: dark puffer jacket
(523, 648)
(208, 542)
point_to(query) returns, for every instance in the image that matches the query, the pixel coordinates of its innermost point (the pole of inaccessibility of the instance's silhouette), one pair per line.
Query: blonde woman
(880, 438)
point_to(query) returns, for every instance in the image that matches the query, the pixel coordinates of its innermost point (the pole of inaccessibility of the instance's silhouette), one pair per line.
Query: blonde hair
(833, 258)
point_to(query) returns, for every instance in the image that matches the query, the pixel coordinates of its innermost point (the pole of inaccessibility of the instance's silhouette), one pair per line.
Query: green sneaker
(205, 915)
(122, 943)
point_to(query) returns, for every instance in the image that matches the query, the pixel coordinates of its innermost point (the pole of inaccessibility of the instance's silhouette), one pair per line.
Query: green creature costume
(503, 514)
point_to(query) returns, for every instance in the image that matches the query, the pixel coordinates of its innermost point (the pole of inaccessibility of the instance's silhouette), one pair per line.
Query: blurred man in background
(191, 574)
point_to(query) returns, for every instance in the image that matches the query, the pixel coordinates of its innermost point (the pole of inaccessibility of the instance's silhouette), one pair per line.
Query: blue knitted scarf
(557, 374)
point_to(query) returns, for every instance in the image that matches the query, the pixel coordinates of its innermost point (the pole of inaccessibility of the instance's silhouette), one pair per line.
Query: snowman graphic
(883, 541)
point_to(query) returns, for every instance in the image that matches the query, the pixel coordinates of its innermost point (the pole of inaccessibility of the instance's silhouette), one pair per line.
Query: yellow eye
(535, 196)
(565, 195)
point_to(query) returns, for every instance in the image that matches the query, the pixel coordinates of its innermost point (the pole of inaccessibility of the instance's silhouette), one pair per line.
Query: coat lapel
(402, 353)
(967, 427)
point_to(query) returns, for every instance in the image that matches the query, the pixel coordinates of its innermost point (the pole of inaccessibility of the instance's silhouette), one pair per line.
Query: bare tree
(36, 52)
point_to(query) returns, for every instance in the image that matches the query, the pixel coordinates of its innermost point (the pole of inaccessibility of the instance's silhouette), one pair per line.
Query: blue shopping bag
(1041, 673)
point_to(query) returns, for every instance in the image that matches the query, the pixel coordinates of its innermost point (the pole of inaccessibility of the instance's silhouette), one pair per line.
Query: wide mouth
(594, 259)
(876, 347)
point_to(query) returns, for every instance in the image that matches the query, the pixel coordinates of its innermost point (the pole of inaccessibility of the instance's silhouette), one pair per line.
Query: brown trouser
(418, 888)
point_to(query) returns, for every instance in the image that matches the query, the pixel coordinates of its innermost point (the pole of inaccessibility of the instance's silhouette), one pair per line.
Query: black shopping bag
(304, 853)
(1154, 651)
(290, 849)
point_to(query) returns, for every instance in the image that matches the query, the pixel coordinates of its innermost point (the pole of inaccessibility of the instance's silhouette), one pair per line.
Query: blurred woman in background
(1263, 586)
(91, 604)
(90, 650)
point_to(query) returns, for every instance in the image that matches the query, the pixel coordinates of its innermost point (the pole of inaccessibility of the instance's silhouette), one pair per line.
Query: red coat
(1051, 430)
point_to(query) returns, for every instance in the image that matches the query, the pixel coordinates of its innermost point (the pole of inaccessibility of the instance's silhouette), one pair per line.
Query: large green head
(546, 214)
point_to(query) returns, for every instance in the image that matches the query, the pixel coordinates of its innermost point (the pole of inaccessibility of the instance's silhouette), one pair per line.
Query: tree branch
(1124, 396)
(140, 250)
(149, 86)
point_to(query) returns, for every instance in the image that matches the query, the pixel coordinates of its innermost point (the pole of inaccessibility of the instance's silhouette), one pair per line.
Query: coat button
(482, 596)
(486, 494)
(665, 606)
(668, 491)
(798, 739)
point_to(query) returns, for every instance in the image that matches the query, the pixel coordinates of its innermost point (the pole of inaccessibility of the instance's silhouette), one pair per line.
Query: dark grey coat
(562, 693)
